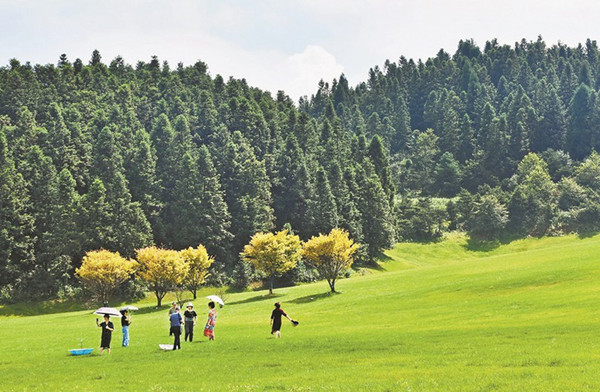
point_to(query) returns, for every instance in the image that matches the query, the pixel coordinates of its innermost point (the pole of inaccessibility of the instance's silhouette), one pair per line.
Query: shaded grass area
(441, 317)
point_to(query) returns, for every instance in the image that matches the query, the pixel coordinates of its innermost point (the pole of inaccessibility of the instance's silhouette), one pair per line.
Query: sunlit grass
(437, 317)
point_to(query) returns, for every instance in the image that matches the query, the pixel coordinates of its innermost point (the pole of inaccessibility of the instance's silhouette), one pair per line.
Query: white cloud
(280, 45)
(298, 74)
(304, 70)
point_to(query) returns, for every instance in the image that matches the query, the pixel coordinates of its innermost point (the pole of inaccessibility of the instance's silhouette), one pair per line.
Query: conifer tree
(382, 167)
(550, 130)
(63, 240)
(143, 180)
(16, 223)
(199, 211)
(247, 192)
(292, 189)
(376, 214)
(581, 109)
(324, 210)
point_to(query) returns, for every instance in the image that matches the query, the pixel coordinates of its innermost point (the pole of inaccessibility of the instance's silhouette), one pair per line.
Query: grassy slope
(439, 318)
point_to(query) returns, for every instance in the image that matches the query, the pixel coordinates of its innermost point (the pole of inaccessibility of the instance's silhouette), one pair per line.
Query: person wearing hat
(176, 328)
(171, 311)
(189, 317)
(107, 328)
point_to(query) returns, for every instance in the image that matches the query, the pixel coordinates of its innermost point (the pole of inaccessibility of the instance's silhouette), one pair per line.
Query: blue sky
(280, 44)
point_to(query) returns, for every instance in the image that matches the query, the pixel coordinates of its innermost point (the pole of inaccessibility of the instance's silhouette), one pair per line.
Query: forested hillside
(514, 127)
(115, 156)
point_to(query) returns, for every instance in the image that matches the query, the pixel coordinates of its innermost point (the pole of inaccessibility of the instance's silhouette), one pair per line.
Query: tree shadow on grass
(45, 307)
(152, 309)
(313, 297)
(480, 245)
(476, 245)
(380, 258)
(587, 234)
(165, 306)
(255, 299)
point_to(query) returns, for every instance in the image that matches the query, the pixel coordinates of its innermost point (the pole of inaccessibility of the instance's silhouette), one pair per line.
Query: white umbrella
(128, 307)
(216, 299)
(109, 311)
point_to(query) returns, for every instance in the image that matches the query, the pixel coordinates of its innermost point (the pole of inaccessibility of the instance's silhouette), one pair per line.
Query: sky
(284, 45)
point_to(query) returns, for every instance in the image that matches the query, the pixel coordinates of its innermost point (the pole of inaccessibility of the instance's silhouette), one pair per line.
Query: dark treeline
(505, 131)
(112, 156)
(120, 157)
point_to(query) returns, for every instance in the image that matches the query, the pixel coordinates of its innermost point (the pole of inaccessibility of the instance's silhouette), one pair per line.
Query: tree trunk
(194, 293)
(331, 284)
(271, 286)
(158, 300)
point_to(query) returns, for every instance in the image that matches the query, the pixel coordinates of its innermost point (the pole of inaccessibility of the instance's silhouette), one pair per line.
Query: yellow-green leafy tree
(102, 271)
(330, 254)
(199, 262)
(273, 254)
(162, 269)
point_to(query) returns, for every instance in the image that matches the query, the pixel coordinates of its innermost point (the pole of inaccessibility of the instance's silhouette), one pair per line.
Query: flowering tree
(330, 254)
(198, 262)
(103, 271)
(273, 254)
(162, 269)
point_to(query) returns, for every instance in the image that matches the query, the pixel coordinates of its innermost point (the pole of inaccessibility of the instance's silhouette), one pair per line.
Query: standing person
(276, 320)
(190, 321)
(171, 311)
(176, 328)
(209, 328)
(107, 328)
(125, 323)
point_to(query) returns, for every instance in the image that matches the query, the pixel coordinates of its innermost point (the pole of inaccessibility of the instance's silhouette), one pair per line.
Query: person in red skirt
(209, 328)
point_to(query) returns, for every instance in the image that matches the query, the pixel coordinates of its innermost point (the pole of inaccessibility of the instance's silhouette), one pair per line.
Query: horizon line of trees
(120, 157)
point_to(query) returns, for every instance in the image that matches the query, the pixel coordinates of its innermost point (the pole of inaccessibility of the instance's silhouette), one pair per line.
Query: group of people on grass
(188, 321)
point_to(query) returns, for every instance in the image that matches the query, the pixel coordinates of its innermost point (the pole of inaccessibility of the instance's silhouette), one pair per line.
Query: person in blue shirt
(176, 321)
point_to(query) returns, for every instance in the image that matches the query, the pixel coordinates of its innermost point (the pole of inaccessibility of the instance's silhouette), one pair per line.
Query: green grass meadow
(447, 316)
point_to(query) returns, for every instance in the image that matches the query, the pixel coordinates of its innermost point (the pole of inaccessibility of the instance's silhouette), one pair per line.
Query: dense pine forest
(497, 141)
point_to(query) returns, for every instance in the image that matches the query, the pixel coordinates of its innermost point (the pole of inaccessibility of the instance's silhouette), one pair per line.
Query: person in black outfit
(176, 328)
(190, 321)
(107, 328)
(276, 320)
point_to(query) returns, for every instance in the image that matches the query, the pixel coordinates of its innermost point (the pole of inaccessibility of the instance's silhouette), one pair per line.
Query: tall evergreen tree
(324, 210)
(377, 222)
(247, 192)
(582, 128)
(292, 189)
(16, 222)
(382, 167)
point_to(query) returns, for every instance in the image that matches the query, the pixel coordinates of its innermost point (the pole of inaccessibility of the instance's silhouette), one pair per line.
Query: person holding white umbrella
(107, 328)
(209, 328)
(125, 323)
